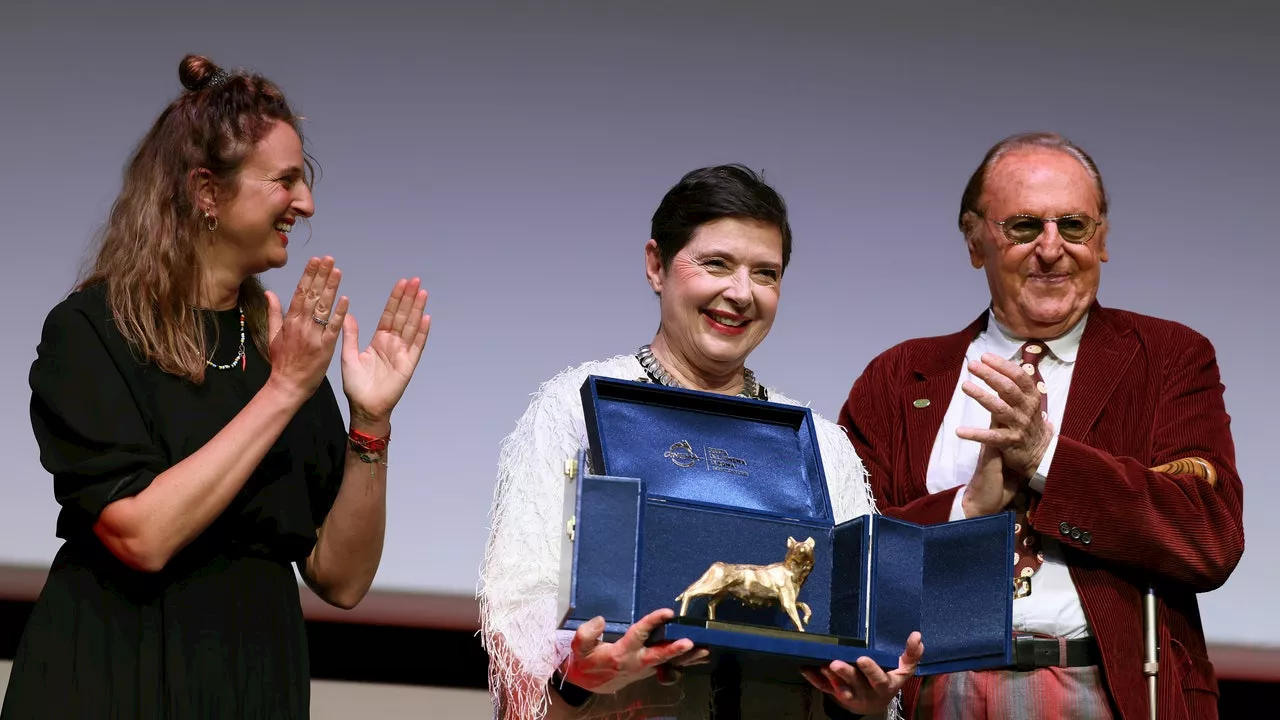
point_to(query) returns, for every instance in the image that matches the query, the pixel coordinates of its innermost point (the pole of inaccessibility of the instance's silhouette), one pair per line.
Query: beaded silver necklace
(240, 358)
(750, 388)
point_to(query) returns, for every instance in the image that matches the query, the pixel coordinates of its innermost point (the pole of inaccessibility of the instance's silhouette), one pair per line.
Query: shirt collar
(1000, 341)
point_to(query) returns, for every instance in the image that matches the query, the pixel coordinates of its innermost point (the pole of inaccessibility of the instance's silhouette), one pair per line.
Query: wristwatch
(570, 693)
(835, 712)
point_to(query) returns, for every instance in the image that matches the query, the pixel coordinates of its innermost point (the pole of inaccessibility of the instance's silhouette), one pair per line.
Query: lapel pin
(921, 403)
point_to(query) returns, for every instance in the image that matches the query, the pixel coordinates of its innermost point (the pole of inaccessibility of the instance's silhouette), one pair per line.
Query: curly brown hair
(149, 250)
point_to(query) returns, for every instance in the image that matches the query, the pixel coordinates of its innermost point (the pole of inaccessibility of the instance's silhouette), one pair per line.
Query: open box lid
(689, 446)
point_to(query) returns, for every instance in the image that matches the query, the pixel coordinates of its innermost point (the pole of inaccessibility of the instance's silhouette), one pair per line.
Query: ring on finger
(319, 320)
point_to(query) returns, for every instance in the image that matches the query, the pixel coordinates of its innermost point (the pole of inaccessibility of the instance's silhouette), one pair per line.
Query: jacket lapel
(1107, 348)
(925, 397)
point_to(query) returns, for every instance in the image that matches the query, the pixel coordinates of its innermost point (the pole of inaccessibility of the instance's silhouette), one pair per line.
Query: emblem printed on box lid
(682, 454)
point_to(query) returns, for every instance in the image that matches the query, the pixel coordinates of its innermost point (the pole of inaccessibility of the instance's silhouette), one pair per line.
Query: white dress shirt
(1053, 607)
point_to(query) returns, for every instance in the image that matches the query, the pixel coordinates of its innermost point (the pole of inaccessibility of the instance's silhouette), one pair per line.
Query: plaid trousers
(1052, 693)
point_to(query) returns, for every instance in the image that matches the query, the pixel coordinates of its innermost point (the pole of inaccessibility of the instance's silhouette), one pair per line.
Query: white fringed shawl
(520, 573)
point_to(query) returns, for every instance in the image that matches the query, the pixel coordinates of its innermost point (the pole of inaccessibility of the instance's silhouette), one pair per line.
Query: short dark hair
(712, 193)
(1023, 141)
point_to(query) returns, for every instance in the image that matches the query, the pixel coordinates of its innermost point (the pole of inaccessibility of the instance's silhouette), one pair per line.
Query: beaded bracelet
(369, 448)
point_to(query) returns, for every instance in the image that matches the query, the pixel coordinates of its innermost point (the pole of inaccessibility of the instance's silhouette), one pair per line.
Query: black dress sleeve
(92, 434)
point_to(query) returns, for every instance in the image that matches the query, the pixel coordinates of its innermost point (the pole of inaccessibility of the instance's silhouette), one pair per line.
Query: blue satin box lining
(705, 448)
(657, 516)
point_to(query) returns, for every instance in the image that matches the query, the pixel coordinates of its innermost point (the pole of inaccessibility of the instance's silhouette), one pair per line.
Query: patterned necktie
(1027, 555)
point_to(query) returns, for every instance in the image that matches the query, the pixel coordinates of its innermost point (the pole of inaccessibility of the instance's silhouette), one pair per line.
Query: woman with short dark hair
(719, 244)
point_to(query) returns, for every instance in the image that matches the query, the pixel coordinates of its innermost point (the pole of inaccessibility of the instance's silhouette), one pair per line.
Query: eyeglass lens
(1024, 229)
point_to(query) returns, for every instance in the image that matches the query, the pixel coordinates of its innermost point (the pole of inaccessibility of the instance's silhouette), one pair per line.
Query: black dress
(219, 632)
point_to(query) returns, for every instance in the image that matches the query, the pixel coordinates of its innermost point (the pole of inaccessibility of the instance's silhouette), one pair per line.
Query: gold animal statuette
(757, 585)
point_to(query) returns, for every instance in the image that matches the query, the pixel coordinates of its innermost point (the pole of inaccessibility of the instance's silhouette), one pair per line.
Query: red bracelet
(367, 443)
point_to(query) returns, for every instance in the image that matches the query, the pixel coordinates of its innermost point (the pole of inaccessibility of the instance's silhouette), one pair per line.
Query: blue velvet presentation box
(675, 480)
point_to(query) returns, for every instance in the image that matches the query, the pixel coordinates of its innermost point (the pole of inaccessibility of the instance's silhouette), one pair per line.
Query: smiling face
(1042, 288)
(270, 194)
(718, 295)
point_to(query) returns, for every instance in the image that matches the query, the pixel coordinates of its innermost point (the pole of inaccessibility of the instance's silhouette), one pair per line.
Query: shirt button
(1075, 533)
(1086, 537)
(1064, 528)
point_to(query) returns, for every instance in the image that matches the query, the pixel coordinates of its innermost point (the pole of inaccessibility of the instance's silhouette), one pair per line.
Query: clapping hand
(374, 379)
(301, 341)
(992, 488)
(1018, 430)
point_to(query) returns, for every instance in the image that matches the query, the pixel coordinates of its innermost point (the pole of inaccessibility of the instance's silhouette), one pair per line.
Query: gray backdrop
(511, 154)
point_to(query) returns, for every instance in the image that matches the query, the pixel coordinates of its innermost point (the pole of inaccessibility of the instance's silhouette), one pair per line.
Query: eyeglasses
(1022, 229)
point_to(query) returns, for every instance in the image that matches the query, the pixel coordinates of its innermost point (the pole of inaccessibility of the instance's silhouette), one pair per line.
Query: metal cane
(1150, 657)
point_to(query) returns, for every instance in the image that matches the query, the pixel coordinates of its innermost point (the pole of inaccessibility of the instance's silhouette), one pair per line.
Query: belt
(1031, 652)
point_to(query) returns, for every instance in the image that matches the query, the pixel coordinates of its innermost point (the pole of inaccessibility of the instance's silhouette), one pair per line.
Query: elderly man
(1103, 430)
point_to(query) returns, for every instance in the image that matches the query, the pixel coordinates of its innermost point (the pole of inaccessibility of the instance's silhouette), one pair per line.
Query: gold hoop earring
(210, 221)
